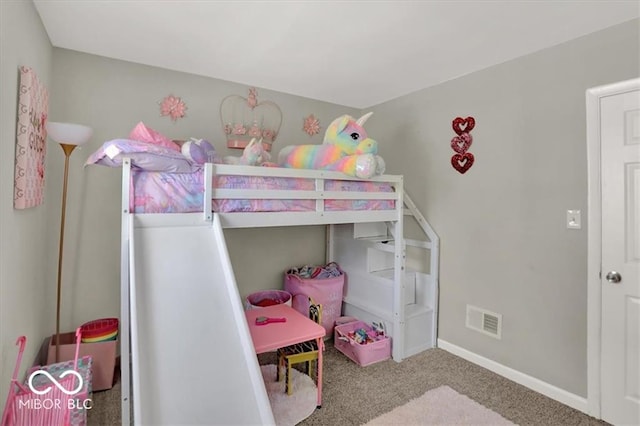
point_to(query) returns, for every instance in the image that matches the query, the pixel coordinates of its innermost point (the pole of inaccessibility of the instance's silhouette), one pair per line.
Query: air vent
(484, 321)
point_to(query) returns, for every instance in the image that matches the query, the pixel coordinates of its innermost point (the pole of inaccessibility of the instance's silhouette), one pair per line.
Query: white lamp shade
(68, 133)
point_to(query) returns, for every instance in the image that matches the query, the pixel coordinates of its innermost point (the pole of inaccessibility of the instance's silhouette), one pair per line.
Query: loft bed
(251, 196)
(178, 286)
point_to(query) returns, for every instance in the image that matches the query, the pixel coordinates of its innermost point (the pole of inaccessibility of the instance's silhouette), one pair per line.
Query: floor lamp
(69, 136)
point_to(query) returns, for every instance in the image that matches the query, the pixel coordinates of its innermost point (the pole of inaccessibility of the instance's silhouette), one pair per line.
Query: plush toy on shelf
(254, 154)
(346, 148)
(199, 151)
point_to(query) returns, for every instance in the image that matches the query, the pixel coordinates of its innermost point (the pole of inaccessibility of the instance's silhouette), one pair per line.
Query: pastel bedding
(164, 181)
(182, 192)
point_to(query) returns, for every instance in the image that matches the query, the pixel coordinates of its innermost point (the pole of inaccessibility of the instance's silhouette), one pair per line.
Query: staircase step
(391, 241)
(389, 273)
(418, 243)
(377, 239)
(386, 315)
(369, 229)
(414, 310)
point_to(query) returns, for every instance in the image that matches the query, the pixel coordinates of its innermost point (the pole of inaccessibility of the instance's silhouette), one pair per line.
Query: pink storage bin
(361, 354)
(324, 291)
(102, 353)
(260, 299)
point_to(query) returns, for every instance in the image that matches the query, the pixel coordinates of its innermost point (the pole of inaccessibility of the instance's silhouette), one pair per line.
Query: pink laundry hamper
(324, 291)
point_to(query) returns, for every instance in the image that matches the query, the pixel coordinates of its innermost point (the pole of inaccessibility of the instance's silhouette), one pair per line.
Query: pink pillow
(143, 133)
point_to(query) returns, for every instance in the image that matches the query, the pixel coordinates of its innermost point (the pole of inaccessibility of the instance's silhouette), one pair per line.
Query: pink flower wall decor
(173, 107)
(311, 125)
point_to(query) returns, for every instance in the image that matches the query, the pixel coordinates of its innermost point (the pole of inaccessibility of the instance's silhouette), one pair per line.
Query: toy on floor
(346, 148)
(254, 154)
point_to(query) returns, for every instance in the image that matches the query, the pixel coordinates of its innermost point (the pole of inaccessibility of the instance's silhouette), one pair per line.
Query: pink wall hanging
(31, 136)
(173, 107)
(311, 125)
(462, 160)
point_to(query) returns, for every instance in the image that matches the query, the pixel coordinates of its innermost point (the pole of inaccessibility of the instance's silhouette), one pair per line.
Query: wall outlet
(574, 219)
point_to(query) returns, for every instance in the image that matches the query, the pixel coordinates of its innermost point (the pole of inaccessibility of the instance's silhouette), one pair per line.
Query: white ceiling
(352, 53)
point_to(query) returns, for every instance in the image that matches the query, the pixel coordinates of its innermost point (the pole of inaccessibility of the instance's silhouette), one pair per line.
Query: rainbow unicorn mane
(346, 148)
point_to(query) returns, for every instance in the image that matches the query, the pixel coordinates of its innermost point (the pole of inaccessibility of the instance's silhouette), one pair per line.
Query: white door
(620, 186)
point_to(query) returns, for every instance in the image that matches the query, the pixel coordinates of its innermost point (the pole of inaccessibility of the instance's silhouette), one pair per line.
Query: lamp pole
(68, 149)
(69, 136)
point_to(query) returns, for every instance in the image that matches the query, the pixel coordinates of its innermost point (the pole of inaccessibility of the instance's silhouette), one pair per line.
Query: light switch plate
(574, 219)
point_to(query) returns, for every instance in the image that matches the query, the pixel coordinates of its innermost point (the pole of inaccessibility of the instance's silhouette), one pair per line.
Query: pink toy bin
(325, 291)
(264, 298)
(102, 353)
(361, 354)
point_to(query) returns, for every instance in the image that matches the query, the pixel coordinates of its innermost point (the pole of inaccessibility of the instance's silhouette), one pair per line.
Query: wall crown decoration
(245, 118)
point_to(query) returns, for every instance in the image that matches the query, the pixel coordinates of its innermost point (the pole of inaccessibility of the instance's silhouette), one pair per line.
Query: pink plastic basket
(264, 298)
(100, 330)
(361, 354)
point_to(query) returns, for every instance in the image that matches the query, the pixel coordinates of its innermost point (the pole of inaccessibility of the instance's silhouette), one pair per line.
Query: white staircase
(391, 278)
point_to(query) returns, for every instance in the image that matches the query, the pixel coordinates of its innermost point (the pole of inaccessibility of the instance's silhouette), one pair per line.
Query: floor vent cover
(484, 321)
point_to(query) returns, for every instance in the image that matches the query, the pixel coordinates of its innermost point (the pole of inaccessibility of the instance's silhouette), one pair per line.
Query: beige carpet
(440, 406)
(353, 395)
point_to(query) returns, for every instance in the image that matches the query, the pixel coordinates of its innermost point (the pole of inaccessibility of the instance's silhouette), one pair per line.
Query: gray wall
(112, 96)
(505, 246)
(28, 247)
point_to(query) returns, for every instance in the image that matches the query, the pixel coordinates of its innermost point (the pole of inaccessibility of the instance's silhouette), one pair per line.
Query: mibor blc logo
(55, 382)
(56, 402)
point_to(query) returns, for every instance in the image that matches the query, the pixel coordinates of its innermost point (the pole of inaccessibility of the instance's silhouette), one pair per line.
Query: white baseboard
(553, 392)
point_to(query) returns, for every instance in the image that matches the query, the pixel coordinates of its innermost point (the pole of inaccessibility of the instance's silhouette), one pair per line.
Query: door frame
(594, 236)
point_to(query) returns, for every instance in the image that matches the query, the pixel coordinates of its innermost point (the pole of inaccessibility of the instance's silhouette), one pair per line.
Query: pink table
(298, 328)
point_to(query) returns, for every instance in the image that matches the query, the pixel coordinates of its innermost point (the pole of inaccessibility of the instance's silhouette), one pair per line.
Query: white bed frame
(151, 241)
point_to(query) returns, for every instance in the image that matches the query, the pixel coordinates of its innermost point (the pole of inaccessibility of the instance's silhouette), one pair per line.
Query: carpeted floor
(444, 406)
(354, 395)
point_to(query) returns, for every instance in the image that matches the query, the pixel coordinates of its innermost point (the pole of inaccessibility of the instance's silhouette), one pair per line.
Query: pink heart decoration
(463, 125)
(461, 144)
(462, 162)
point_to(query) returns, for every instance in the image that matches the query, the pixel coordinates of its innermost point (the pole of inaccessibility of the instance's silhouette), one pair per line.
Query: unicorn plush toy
(346, 148)
(253, 154)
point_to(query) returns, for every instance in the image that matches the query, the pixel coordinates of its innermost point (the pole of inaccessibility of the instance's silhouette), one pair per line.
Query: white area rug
(441, 406)
(290, 410)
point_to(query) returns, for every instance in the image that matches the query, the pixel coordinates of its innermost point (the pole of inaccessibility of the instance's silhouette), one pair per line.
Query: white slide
(193, 360)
